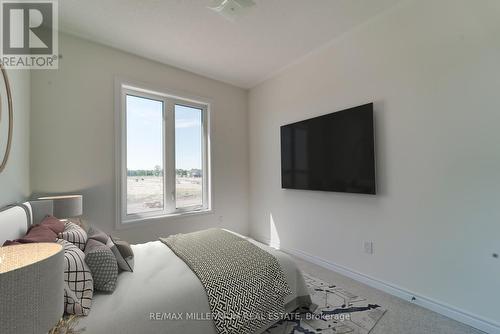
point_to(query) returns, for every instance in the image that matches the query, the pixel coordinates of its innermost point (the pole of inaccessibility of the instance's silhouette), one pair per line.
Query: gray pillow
(98, 235)
(126, 254)
(103, 266)
(124, 248)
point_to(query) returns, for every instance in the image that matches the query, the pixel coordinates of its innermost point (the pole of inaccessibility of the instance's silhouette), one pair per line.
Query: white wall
(72, 139)
(15, 179)
(432, 69)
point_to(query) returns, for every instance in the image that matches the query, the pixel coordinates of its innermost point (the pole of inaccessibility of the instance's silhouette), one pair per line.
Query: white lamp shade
(31, 287)
(66, 206)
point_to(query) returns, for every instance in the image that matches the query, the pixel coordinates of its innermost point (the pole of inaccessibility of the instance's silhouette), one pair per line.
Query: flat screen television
(333, 152)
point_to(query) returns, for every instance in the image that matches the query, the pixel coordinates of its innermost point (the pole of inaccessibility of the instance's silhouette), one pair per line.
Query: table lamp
(67, 206)
(31, 287)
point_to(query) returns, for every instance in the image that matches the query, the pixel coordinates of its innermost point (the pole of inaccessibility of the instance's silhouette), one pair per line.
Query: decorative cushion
(79, 285)
(36, 233)
(74, 234)
(124, 247)
(126, 253)
(102, 264)
(96, 234)
(53, 223)
(80, 222)
(39, 233)
(10, 243)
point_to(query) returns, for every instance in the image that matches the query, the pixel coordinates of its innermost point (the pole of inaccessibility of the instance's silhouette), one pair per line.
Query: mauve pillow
(36, 233)
(53, 223)
(39, 233)
(10, 243)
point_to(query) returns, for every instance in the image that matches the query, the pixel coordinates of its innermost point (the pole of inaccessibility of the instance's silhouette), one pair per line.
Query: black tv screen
(334, 152)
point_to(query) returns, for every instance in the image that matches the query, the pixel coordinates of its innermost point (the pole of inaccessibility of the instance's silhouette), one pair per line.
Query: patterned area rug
(338, 312)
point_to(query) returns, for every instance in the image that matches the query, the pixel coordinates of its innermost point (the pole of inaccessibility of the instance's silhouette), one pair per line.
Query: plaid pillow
(79, 285)
(74, 234)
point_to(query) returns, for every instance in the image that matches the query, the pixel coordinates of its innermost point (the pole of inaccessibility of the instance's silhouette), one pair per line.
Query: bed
(162, 295)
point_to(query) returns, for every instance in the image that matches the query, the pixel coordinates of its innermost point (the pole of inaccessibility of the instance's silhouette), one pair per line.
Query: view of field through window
(145, 154)
(188, 157)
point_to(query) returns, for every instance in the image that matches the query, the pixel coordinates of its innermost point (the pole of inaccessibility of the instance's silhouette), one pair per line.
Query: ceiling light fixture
(231, 9)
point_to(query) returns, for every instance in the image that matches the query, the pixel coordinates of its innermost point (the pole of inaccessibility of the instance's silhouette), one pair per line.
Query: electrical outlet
(368, 247)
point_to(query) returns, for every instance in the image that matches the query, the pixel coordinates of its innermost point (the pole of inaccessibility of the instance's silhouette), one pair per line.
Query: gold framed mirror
(6, 119)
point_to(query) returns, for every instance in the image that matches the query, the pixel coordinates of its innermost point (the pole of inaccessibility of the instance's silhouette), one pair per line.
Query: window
(163, 163)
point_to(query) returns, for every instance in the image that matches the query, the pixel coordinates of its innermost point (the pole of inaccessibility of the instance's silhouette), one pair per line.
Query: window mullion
(205, 158)
(169, 149)
(123, 155)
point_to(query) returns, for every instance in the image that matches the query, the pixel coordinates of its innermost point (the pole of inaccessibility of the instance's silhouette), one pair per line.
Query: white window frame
(124, 88)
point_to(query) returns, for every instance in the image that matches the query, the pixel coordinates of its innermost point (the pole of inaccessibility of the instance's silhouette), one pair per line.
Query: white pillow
(79, 285)
(74, 234)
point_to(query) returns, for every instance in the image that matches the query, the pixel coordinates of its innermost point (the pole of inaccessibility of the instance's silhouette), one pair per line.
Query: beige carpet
(336, 311)
(401, 316)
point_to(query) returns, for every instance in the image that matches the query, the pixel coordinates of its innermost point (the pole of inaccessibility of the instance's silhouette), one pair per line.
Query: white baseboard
(449, 311)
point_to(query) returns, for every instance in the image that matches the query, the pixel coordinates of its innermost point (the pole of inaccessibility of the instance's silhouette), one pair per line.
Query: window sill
(131, 223)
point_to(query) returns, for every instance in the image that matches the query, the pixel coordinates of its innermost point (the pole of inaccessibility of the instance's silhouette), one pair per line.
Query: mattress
(163, 295)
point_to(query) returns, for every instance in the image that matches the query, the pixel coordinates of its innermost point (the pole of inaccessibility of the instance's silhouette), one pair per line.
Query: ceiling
(188, 35)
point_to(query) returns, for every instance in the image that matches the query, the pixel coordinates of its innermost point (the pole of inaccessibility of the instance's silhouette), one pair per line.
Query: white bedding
(162, 283)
